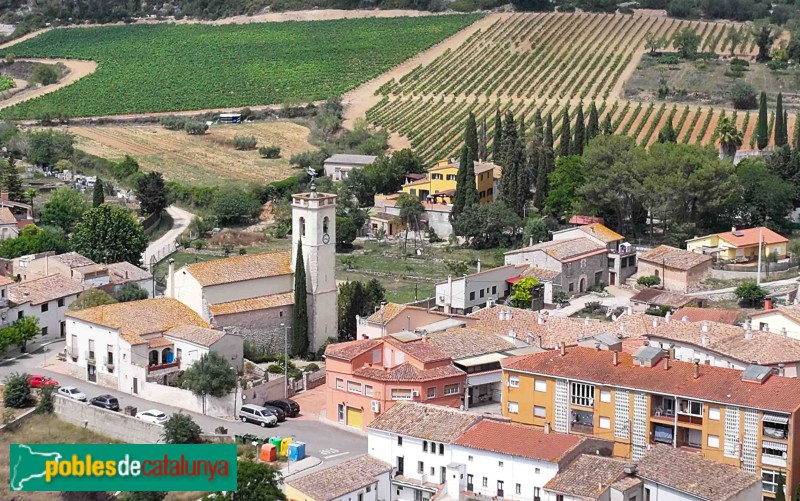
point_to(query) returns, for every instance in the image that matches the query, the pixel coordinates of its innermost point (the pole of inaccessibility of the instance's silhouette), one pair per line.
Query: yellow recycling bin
(285, 446)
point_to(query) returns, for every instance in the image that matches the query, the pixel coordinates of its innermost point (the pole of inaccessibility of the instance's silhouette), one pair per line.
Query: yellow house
(740, 245)
(439, 185)
(747, 419)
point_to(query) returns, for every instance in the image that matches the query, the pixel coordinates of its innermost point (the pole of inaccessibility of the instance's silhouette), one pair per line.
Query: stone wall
(112, 424)
(270, 338)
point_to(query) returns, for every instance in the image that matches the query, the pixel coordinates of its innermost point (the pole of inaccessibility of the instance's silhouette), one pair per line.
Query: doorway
(135, 386)
(91, 373)
(612, 278)
(582, 285)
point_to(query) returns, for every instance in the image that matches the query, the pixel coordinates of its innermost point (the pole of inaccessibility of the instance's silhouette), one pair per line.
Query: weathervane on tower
(312, 185)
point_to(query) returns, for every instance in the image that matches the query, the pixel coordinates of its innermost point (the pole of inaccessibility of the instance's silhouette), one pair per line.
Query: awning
(514, 280)
(774, 445)
(775, 418)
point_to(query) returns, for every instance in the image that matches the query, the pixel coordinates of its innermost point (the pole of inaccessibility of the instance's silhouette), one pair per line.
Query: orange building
(366, 377)
(743, 418)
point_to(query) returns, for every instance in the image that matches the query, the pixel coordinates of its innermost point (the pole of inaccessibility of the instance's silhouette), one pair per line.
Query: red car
(39, 381)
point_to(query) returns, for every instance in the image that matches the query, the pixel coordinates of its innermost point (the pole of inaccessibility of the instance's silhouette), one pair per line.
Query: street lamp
(285, 360)
(235, 392)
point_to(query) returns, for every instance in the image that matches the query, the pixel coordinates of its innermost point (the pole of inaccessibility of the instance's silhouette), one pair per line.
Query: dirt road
(77, 70)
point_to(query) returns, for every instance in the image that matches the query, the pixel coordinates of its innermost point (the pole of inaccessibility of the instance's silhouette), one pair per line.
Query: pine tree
(593, 127)
(785, 128)
(300, 318)
(482, 141)
(11, 181)
(548, 132)
(497, 142)
(564, 147)
(608, 127)
(466, 193)
(471, 134)
(779, 126)
(580, 133)
(796, 142)
(98, 196)
(762, 131)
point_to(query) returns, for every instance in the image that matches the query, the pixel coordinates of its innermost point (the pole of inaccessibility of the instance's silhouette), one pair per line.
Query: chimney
(479, 265)
(704, 339)
(733, 228)
(597, 345)
(449, 305)
(655, 321)
(547, 427)
(668, 316)
(783, 332)
(563, 349)
(696, 368)
(501, 314)
(684, 318)
(408, 323)
(666, 363)
(171, 275)
(767, 303)
(748, 332)
(704, 326)
(630, 469)
(615, 358)
(539, 319)
(781, 371)
(531, 242)
(539, 342)
(586, 321)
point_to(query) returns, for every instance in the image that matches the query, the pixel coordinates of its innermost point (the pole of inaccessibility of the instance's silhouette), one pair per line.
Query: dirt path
(362, 98)
(77, 70)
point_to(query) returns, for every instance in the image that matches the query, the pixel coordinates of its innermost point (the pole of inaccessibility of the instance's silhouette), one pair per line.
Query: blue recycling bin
(297, 451)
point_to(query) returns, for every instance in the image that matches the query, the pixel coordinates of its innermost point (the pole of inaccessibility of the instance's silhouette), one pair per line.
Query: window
(583, 394)
(432, 392)
(420, 467)
(302, 226)
(774, 450)
(490, 191)
(361, 495)
(485, 482)
(44, 331)
(481, 194)
(469, 458)
(583, 263)
(481, 292)
(433, 471)
(713, 441)
(605, 396)
(45, 307)
(763, 326)
(354, 387)
(325, 225)
(19, 315)
(691, 408)
(178, 353)
(769, 479)
(539, 411)
(437, 176)
(518, 489)
(605, 423)
(451, 177)
(537, 471)
(513, 381)
(494, 289)
(399, 440)
(441, 449)
(339, 384)
(540, 385)
(571, 287)
(451, 389)
(713, 413)
(401, 394)
(775, 425)
(368, 390)
(559, 497)
(472, 296)
(513, 408)
(91, 349)
(369, 488)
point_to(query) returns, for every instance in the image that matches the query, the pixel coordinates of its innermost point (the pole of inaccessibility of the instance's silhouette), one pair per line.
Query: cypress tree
(465, 184)
(538, 126)
(546, 166)
(667, 133)
(762, 130)
(300, 314)
(510, 138)
(608, 127)
(98, 196)
(580, 133)
(796, 135)
(510, 189)
(548, 132)
(564, 147)
(471, 134)
(779, 126)
(522, 129)
(497, 142)
(593, 127)
(482, 140)
(785, 128)
(11, 181)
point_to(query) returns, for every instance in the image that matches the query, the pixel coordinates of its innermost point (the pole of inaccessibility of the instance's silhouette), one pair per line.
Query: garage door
(354, 417)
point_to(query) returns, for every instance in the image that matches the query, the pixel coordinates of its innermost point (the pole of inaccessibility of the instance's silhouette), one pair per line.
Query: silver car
(257, 414)
(72, 392)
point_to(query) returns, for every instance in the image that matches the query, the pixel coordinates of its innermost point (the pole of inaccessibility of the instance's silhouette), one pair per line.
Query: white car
(154, 416)
(72, 392)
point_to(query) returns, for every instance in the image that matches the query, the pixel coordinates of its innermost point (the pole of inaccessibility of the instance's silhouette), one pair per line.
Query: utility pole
(758, 273)
(285, 360)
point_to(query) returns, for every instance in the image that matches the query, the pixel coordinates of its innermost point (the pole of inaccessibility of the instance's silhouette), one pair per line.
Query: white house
(360, 479)
(8, 224)
(338, 166)
(47, 299)
(124, 345)
(124, 272)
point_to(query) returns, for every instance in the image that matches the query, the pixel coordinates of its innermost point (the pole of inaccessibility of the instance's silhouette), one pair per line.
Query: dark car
(106, 402)
(288, 405)
(278, 412)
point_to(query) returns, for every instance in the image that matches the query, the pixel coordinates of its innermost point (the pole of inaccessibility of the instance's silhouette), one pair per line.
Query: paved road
(330, 443)
(166, 244)
(767, 285)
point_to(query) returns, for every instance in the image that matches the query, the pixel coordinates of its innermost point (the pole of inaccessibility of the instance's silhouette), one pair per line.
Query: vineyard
(150, 68)
(551, 63)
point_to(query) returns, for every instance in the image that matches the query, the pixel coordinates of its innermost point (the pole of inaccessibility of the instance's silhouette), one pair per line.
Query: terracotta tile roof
(660, 297)
(406, 372)
(158, 342)
(195, 334)
(626, 482)
(715, 384)
(42, 290)
(426, 421)
(690, 473)
(390, 310)
(587, 478)
(577, 219)
(750, 236)
(518, 440)
(422, 350)
(351, 349)
(137, 318)
(601, 232)
(673, 257)
(417, 182)
(241, 268)
(462, 342)
(565, 250)
(791, 311)
(252, 304)
(124, 271)
(344, 158)
(73, 259)
(342, 479)
(6, 216)
(541, 274)
(695, 314)
(5, 281)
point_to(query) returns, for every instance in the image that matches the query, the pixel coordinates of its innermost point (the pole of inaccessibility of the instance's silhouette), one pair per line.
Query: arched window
(153, 357)
(325, 225)
(302, 226)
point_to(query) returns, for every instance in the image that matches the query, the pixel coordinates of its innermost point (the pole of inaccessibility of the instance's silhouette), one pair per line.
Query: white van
(257, 414)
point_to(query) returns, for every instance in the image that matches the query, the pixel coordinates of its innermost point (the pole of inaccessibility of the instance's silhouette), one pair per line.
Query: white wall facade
(775, 321)
(551, 496)
(106, 340)
(534, 258)
(465, 292)
(660, 492)
(185, 288)
(50, 319)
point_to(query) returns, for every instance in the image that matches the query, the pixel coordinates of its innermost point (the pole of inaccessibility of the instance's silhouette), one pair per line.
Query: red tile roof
(577, 219)
(673, 257)
(407, 373)
(518, 440)
(422, 350)
(715, 384)
(695, 314)
(351, 349)
(750, 236)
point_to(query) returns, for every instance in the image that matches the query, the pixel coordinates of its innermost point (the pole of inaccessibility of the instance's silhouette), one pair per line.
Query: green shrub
(17, 391)
(775, 65)
(592, 307)
(172, 122)
(648, 280)
(741, 63)
(244, 142)
(45, 405)
(270, 152)
(669, 59)
(311, 367)
(195, 127)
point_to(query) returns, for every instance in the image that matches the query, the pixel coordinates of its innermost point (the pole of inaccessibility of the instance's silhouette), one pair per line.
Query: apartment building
(745, 418)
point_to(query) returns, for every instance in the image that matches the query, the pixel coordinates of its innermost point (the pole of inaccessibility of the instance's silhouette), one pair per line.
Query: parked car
(154, 416)
(39, 381)
(72, 392)
(288, 405)
(106, 402)
(257, 414)
(278, 412)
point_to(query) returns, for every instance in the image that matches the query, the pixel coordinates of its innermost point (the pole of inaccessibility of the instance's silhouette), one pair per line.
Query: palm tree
(730, 138)
(30, 194)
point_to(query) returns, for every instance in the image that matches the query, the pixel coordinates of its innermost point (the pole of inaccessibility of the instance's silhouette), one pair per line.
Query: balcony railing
(89, 356)
(586, 429)
(72, 351)
(778, 433)
(158, 367)
(109, 363)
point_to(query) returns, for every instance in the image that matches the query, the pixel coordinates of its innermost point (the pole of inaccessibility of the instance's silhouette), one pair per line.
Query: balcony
(109, 363)
(72, 352)
(89, 355)
(776, 432)
(164, 367)
(769, 459)
(663, 408)
(582, 422)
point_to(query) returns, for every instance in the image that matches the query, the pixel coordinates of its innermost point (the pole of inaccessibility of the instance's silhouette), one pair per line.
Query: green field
(150, 68)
